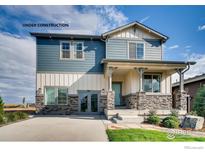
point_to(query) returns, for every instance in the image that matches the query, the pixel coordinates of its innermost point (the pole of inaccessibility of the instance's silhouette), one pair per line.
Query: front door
(116, 87)
(88, 101)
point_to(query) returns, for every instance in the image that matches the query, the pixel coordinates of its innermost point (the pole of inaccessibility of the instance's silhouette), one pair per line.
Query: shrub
(171, 122)
(192, 113)
(175, 113)
(199, 102)
(1, 107)
(11, 117)
(153, 118)
(2, 119)
(21, 115)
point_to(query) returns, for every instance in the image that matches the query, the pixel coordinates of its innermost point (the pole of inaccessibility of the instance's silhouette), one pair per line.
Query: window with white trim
(71, 50)
(136, 50)
(152, 83)
(78, 50)
(65, 50)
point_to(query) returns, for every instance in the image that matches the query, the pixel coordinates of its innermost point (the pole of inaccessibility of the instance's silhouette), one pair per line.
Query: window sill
(70, 59)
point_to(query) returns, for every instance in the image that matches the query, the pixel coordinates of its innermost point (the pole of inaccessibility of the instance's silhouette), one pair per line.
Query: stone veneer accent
(153, 101)
(110, 100)
(103, 101)
(131, 101)
(72, 105)
(142, 101)
(181, 100)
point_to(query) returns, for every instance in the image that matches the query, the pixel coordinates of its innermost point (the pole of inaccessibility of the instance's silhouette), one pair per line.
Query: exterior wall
(143, 101)
(191, 90)
(74, 81)
(117, 44)
(130, 82)
(48, 56)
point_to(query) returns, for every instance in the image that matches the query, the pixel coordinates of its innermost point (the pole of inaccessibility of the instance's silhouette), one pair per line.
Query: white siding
(74, 81)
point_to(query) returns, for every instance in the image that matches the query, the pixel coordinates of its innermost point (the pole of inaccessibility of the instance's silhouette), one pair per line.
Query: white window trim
(56, 93)
(152, 81)
(72, 50)
(137, 42)
(75, 50)
(61, 42)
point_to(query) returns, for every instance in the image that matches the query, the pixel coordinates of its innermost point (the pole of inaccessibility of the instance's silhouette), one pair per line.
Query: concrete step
(128, 119)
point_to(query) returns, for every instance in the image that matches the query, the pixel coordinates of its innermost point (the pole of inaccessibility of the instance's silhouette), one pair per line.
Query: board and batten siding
(48, 56)
(117, 44)
(73, 81)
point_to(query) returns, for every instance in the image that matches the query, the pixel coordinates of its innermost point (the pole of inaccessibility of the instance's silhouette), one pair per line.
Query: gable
(134, 32)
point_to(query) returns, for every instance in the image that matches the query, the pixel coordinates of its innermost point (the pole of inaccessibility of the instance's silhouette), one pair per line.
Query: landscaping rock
(194, 122)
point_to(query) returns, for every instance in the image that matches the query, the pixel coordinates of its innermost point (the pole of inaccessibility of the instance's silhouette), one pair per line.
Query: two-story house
(119, 70)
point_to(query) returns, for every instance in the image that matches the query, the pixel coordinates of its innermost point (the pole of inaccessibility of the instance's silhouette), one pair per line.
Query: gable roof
(191, 80)
(164, 37)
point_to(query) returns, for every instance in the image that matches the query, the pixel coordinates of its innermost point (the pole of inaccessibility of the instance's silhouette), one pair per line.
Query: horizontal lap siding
(153, 50)
(118, 48)
(48, 57)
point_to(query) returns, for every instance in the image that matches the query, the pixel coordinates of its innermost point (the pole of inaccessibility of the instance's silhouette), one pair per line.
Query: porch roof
(155, 65)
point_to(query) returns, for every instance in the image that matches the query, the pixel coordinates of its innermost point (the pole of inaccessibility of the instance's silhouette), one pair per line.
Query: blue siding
(48, 57)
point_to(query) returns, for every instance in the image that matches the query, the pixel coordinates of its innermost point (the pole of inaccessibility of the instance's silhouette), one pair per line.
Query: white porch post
(110, 70)
(181, 79)
(141, 72)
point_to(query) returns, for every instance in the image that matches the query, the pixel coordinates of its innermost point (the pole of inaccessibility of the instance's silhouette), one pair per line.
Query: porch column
(181, 79)
(110, 71)
(141, 72)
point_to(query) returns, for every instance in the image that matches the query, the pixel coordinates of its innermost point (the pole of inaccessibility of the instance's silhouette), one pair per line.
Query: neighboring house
(191, 85)
(118, 70)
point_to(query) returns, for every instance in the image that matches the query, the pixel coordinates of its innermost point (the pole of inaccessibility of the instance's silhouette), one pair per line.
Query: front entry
(117, 88)
(88, 101)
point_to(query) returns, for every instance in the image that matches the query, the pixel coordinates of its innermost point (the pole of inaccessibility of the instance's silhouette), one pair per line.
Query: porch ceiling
(150, 65)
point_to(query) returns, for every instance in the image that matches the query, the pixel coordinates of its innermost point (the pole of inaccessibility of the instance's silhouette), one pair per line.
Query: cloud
(188, 46)
(17, 48)
(17, 67)
(196, 69)
(200, 28)
(144, 19)
(174, 47)
(86, 19)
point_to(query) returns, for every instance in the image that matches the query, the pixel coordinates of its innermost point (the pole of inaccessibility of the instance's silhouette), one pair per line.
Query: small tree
(199, 102)
(1, 106)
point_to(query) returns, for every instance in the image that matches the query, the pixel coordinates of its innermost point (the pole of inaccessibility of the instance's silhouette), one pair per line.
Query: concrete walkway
(62, 128)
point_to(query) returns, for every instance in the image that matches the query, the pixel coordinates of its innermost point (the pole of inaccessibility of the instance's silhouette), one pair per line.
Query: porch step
(128, 119)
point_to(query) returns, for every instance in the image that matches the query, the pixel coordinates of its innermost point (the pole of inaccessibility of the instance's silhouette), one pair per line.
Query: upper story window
(136, 50)
(78, 54)
(65, 49)
(152, 83)
(71, 50)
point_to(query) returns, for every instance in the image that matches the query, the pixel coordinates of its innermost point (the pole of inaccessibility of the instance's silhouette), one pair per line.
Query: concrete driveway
(62, 128)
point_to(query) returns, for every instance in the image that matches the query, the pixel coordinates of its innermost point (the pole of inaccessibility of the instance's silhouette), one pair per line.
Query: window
(78, 54)
(152, 83)
(136, 50)
(56, 96)
(65, 49)
(140, 51)
(71, 50)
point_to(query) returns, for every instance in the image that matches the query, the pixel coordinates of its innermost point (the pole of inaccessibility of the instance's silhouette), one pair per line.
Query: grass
(142, 135)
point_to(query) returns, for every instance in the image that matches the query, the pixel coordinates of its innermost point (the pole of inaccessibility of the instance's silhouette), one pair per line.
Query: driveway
(62, 128)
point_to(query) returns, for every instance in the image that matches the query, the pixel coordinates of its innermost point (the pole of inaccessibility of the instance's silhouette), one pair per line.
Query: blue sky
(185, 26)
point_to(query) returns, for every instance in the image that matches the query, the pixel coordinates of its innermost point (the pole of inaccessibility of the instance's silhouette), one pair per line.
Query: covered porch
(142, 85)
